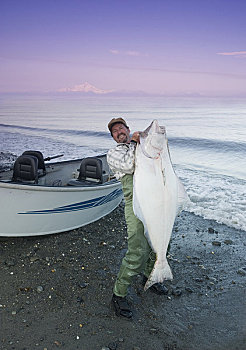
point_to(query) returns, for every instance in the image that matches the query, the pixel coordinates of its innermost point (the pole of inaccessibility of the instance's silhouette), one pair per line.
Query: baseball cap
(116, 120)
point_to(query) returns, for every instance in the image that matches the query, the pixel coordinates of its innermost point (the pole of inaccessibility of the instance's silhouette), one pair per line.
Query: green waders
(139, 256)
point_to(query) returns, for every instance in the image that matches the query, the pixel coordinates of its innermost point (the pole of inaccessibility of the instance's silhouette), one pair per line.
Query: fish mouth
(157, 129)
(162, 129)
(152, 138)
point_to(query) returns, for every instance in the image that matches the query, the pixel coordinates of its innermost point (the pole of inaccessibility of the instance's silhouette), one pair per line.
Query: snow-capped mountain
(85, 88)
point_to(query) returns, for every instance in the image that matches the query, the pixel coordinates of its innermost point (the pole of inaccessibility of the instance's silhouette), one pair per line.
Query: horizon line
(136, 93)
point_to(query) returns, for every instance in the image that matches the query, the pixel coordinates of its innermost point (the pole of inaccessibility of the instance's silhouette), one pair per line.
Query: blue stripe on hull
(80, 205)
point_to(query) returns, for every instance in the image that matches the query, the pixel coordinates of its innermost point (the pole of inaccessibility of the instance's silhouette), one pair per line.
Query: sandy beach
(56, 290)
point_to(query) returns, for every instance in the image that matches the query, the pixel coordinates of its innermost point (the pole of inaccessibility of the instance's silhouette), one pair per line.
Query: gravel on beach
(56, 290)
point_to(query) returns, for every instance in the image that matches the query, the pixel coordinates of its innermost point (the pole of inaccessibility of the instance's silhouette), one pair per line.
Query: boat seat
(91, 169)
(90, 172)
(26, 169)
(40, 157)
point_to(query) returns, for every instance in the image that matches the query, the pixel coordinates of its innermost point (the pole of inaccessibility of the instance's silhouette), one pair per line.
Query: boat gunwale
(34, 187)
(9, 184)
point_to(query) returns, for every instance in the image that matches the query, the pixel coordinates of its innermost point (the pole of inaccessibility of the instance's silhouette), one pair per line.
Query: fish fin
(159, 273)
(182, 197)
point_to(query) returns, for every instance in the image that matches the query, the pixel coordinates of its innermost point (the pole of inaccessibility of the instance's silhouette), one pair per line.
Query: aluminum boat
(40, 198)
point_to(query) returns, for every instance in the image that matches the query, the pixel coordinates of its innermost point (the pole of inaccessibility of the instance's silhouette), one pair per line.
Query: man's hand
(136, 136)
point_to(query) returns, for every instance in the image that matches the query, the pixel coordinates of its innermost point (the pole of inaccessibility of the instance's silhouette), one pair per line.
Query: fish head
(153, 139)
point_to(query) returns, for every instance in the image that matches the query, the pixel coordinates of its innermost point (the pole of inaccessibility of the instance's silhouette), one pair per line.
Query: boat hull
(35, 210)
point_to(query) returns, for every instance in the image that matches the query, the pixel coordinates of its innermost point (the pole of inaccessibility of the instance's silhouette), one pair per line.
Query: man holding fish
(140, 257)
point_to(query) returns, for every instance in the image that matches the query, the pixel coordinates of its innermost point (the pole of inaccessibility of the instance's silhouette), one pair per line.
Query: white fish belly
(155, 204)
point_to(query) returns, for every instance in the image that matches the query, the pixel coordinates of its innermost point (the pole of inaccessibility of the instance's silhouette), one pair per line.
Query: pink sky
(162, 47)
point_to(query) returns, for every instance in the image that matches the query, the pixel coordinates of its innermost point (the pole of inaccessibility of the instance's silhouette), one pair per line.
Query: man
(139, 257)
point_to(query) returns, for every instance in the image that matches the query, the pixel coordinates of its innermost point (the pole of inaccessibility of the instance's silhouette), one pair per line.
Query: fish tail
(159, 274)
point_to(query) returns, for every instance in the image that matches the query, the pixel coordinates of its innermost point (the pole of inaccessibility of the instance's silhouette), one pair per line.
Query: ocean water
(207, 139)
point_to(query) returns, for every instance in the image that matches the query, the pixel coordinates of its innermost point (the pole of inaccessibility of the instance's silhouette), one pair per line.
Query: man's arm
(121, 159)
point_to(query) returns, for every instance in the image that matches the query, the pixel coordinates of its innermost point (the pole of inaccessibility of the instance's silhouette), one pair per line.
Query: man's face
(120, 133)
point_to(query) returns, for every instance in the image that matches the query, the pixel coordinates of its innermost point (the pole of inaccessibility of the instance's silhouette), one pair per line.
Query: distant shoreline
(121, 94)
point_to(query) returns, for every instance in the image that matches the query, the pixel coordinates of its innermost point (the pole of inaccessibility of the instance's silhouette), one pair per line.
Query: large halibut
(158, 196)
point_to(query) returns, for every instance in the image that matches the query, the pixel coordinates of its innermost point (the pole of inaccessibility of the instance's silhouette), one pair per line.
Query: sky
(171, 47)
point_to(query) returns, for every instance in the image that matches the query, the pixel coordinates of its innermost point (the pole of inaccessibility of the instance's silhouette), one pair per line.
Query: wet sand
(56, 290)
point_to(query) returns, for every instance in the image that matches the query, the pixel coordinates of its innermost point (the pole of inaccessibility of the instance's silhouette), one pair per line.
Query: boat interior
(32, 168)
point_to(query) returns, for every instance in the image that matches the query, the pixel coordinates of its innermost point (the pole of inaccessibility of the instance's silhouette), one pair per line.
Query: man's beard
(122, 139)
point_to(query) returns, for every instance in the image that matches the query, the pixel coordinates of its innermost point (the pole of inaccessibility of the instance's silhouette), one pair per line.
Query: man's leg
(138, 248)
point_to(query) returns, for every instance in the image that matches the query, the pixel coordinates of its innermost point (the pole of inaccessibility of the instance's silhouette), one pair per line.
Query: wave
(183, 142)
(214, 196)
(199, 143)
(58, 131)
(6, 160)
